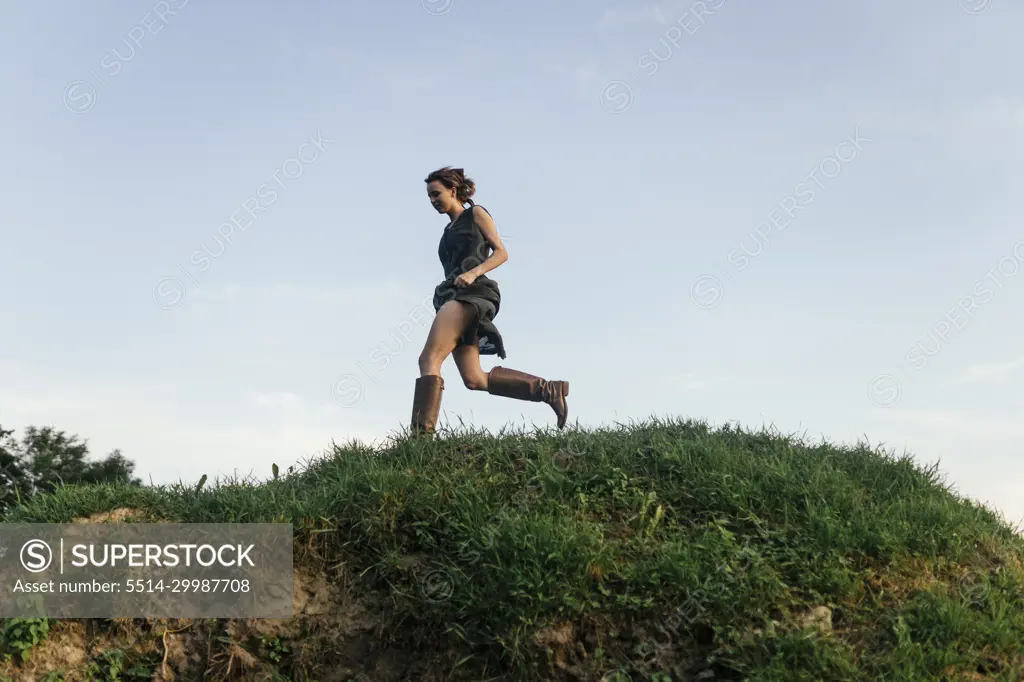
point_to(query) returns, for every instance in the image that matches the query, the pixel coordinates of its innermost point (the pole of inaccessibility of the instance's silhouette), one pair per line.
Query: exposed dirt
(120, 515)
(335, 634)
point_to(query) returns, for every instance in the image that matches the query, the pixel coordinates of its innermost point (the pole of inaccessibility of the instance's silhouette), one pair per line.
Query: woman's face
(441, 198)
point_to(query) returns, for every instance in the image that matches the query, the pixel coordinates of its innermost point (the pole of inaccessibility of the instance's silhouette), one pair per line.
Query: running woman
(466, 303)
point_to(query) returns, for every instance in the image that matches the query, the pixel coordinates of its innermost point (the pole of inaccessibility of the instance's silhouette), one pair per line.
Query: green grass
(662, 548)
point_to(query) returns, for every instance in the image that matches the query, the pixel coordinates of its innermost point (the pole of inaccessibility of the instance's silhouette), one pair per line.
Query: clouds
(999, 372)
(583, 73)
(276, 400)
(958, 423)
(292, 294)
(994, 121)
(689, 382)
(235, 395)
(169, 434)
(999, 113)
(629, 15)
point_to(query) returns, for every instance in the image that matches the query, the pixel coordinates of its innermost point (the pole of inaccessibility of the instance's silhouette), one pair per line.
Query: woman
(466, 303)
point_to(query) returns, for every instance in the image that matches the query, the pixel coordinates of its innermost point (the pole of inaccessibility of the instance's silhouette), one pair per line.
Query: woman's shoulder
(480, 216)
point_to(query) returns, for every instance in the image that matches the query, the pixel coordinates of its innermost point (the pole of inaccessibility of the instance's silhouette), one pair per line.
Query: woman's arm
(490, 233)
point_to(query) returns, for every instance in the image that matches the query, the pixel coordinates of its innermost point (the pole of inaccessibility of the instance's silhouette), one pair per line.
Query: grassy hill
(659, 551)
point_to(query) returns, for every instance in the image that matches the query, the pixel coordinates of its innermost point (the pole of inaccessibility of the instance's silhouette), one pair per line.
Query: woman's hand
(465, 279)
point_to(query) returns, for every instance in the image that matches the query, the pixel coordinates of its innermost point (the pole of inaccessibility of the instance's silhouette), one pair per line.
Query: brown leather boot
(426, 403)
(511, 383)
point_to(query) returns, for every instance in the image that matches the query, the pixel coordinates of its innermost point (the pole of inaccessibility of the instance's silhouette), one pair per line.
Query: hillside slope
(664, 551)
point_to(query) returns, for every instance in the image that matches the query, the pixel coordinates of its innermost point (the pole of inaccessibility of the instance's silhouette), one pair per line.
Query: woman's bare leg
(449, 324)
(467, 358)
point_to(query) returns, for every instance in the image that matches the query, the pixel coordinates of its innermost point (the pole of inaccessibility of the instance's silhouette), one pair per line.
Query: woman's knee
(475, 382)
(431, 358)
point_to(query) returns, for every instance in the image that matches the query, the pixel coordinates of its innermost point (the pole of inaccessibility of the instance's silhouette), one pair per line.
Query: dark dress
(461, 249)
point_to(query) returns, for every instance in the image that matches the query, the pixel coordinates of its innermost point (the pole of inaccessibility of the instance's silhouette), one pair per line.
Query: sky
(219, 252)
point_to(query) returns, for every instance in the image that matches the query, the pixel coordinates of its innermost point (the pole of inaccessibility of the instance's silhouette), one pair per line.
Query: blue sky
(806, 217)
